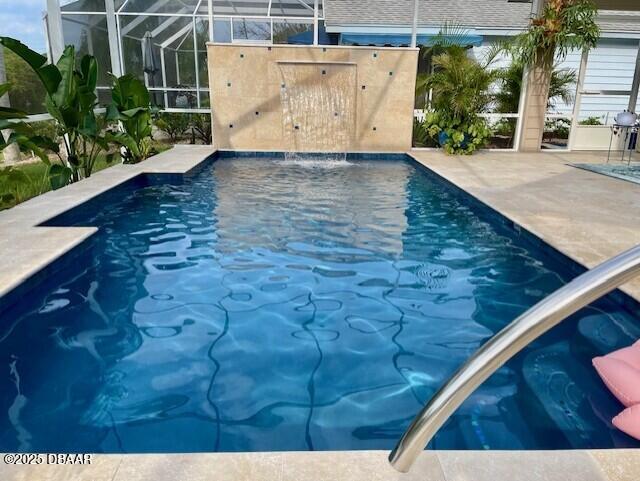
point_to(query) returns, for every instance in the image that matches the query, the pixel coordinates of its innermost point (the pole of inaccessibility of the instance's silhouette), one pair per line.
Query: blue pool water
(264, 305)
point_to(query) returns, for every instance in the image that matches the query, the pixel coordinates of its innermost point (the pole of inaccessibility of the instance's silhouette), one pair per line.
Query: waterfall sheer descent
(318, 106)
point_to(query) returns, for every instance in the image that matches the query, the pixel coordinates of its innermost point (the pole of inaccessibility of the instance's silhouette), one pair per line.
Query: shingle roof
(432, 13)
(467, 13)
(611, 21)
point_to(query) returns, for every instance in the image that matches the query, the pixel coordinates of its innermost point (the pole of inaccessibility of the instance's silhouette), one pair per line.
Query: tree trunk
(11, 153)
(534, 108)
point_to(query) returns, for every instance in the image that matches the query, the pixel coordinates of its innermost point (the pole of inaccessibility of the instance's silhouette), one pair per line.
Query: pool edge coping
(28, 218)
(630, 300)
(165, 164)
(561, 465)
(85, 233)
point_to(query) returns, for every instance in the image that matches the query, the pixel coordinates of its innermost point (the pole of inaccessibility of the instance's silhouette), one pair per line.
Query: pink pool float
(620, 371)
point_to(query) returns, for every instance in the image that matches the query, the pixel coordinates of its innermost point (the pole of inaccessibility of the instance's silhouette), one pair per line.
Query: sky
(22, 19)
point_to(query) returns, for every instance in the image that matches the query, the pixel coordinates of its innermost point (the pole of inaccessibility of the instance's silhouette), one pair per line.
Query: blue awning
(306, 38)
(401, 40)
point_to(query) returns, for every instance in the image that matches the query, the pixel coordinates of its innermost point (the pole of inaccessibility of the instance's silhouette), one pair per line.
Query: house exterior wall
(247, 110)
(610, 67)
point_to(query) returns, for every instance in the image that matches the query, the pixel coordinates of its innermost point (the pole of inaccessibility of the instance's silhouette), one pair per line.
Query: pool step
(573, 398)
(607, 332)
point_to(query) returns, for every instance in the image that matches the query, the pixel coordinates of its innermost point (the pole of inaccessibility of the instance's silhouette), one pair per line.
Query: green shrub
(27, 92)
(201, 125)
(173, 124)
(457, 135)
(591, 121)
(504, 127)
(557, 128)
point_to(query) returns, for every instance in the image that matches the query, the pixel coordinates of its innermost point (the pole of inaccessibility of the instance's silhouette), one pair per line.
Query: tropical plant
(201, 125)
(11, 152)
(71, 100)
(457, 135)
(22, 133)
(450, 36)
(461, 89)
(420, 136)
(173, 124)
(564, 25)
(561, 88)
(27, 139)
(27, 92)
(131, 108)
(16, 186)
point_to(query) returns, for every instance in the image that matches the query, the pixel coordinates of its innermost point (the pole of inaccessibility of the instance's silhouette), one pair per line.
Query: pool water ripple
(267, 305)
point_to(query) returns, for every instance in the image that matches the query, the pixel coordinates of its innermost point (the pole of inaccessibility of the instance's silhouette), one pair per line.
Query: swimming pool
(259, 304)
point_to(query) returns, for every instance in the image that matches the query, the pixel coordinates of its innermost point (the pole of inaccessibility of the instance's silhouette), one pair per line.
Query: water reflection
(270, 306)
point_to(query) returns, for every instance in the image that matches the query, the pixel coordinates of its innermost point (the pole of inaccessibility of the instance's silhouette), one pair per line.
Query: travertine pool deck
(619, 465)
(588, 217)
(26, 248)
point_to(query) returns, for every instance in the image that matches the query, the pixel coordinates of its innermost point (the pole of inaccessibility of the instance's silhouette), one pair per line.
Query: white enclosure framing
(163, 42)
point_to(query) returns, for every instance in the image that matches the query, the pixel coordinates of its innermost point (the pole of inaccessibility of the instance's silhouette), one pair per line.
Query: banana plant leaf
(46, 143)
(59, 176)
(87, 81)
(129, 92)
(14, 125)
(29, 144)
(9, 113)
(65, 94)
(48, 73)
(16, 176)
(4, 89)
(125, 140)
(112, 114)
(133, 112)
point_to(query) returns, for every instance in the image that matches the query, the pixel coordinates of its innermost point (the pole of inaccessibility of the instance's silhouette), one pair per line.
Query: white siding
(611, 66)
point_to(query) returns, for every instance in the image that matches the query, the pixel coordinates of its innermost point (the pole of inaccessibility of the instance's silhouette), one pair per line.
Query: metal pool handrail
(549, 312)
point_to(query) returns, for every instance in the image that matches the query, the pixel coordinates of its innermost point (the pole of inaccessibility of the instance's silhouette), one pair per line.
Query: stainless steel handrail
(549, 312)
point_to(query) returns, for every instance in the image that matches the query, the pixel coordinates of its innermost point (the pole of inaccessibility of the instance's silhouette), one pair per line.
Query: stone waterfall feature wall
(312, 99)
(318, 106)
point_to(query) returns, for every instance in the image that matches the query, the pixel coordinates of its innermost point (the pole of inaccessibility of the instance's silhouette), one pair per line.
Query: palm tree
(460, 84)
(460, 89)
(562, 26)
(450, 36)
(11, 152)
(561, 88)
